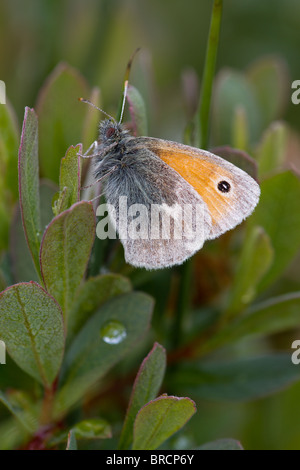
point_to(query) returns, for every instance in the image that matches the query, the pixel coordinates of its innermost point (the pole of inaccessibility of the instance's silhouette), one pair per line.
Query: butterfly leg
(92, 148)
(99, 179)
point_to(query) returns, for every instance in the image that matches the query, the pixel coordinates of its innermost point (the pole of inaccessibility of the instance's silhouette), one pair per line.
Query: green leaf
(146, 386)
(221, 444)
(69, 180)
(27, 419)
(236, 380)
(29, 184)
(278, 213)
(103, 341)
(61, 117)
(272, 149)
(160, 419)
(137, 111)
(91, 295)
(31, 327)
(209, 73)
(72, 443)
(65, 251)
(255, 260)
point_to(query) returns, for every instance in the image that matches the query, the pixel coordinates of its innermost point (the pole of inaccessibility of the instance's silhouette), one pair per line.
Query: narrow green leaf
(91, 295)
(160, 419)
(61, 117)
(209, 73)
(137, 111)
(236, 380)
(69, 180)
(272, 149)
(221, 444)
(255, 260)
(29, 184)
(146, 386)
(65, 251)
(278, 213)
(103, 341)
(31, 327)
(72, 443)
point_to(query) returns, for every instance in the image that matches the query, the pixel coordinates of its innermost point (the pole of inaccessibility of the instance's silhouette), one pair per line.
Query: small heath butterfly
(164, 198)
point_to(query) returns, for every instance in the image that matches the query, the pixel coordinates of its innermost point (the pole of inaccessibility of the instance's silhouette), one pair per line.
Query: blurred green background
(98, 37)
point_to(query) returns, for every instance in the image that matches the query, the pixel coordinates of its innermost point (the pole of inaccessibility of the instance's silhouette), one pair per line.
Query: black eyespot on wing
(110, 132)
(224, 186)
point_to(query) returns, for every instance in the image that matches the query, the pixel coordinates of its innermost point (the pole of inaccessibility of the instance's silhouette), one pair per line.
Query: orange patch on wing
(203, 175)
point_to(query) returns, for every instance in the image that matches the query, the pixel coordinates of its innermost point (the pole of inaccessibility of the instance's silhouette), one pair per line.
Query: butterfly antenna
(126, 79)
(83, 100)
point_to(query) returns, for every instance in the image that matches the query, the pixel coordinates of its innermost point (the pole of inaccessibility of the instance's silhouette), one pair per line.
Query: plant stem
(209, 72)
(46, 414)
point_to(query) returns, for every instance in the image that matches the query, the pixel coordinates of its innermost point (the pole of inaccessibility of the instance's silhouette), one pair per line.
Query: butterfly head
(110, 131)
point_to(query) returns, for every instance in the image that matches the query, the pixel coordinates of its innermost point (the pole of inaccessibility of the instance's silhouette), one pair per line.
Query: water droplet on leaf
(113, 332)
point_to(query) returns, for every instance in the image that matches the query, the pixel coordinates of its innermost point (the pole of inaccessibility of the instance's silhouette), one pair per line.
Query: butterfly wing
(160, 218)
(210, 176)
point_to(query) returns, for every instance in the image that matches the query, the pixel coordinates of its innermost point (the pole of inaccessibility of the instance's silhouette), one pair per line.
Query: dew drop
(113, 332)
